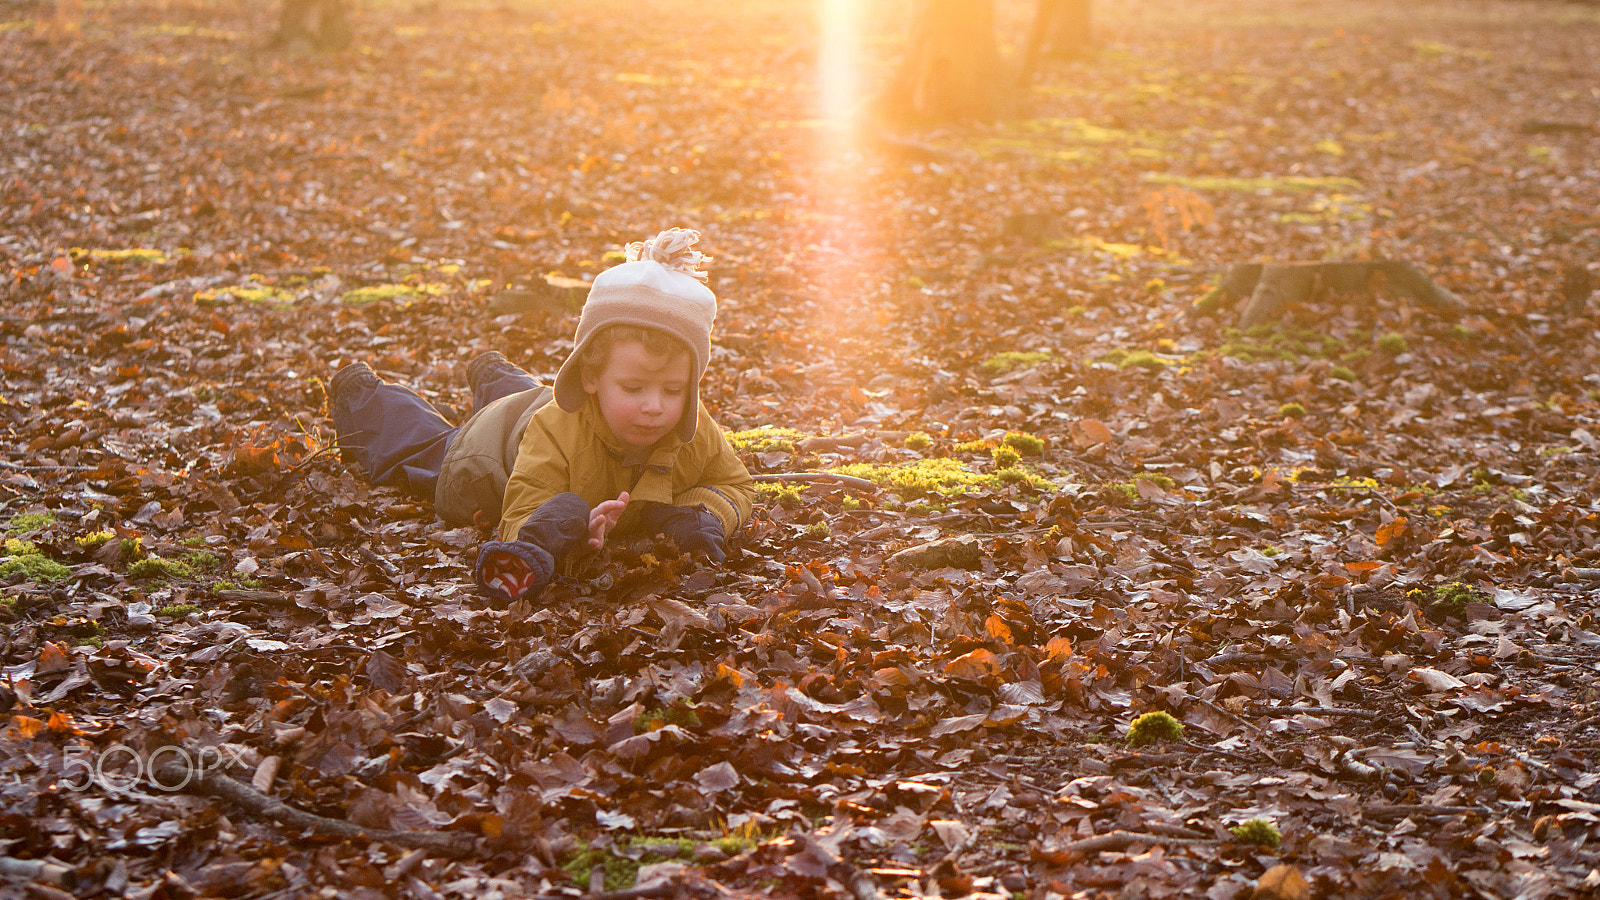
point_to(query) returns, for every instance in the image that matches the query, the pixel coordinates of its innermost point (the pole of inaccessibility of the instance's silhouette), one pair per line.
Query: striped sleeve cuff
(714, 501)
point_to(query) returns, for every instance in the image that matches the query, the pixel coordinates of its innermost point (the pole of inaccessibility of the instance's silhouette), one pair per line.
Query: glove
(507, 571)
(693, 528)
(510, 570)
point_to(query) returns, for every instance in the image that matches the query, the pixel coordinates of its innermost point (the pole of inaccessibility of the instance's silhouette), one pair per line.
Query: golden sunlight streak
(840, 81)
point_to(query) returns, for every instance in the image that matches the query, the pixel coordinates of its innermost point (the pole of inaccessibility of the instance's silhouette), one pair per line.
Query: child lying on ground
(626, 445)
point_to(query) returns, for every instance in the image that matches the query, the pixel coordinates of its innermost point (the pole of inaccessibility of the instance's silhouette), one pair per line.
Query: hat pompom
(671, 248)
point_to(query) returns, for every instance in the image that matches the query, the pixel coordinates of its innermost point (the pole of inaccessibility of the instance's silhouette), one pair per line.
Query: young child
(625, 446)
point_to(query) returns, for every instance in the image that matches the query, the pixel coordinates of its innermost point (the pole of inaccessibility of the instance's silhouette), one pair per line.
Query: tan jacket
(521, 450)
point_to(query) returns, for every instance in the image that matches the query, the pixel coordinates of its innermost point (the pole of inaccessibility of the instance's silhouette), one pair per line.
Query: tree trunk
(324, 24)
(1060, 29)
(953, 68)
(1071, 36)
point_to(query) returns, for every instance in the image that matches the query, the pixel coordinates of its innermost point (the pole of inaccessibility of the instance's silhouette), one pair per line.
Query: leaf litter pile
(1138, 604)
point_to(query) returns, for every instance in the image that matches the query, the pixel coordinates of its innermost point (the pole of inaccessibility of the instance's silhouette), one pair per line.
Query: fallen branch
(216, 784)
(1115, 840)
(1403, 811)
(1336, 711)
(40, 870)
(259, 598)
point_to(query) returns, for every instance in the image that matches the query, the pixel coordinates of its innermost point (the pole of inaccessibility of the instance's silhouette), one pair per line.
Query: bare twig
(218, 785)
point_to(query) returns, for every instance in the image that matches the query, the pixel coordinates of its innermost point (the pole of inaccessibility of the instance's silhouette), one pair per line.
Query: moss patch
(94, 539)
(157, 567)
(23, 522)
(1153, 728)
(375, 292)
(262, 294)
(139, 256)
(931, 477)
(1013, 359)
(1289, 183)
(1257, 831)
(766, 439)
(35, 566)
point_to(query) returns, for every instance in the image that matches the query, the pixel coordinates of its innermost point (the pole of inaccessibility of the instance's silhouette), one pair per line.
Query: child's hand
(604, 517)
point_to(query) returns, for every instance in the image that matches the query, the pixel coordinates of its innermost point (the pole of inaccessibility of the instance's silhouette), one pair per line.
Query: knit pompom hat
(658, 287)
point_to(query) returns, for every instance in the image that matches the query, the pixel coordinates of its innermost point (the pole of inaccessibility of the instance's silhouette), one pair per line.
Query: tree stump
(1271, 288)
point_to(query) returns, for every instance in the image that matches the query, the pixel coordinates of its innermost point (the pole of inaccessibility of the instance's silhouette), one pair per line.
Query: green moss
(177, 610)
(1393, 343)
(1154, 478)
(157, 567)
(94, 540)
(849, 503)
(781, 494)
(24, 522)
(928, 477)
(132, 547)
(1120, 491)
(621, 873)
(1013, 359)
(766, 439)
(91, 641)
(1291, 183)
(1257, 831)
(1005, 457)
(1452, 598)
(919, 441)
(135, 256)
(1292, 410)
(35, 566)
(262, 294)
(1153, 728)
(1143, 359)
(19, 547)
(679, 713)
(818, 531)
(1024, 443)
(201, 560)
(1342, 373)
(1012, 475)
(375, 293)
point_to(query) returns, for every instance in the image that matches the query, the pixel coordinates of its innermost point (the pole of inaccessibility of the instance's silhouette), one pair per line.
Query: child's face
(641, 394)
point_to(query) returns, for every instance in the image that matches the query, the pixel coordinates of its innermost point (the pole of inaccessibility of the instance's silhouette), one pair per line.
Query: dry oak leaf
(1436, 680)
(1282, 882)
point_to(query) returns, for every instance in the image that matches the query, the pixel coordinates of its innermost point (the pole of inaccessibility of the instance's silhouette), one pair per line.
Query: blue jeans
(398, 437)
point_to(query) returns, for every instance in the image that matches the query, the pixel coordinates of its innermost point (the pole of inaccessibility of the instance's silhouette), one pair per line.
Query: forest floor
(1353, 552)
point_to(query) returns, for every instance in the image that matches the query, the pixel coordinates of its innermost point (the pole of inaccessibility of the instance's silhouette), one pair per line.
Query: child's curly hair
(597, 352)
